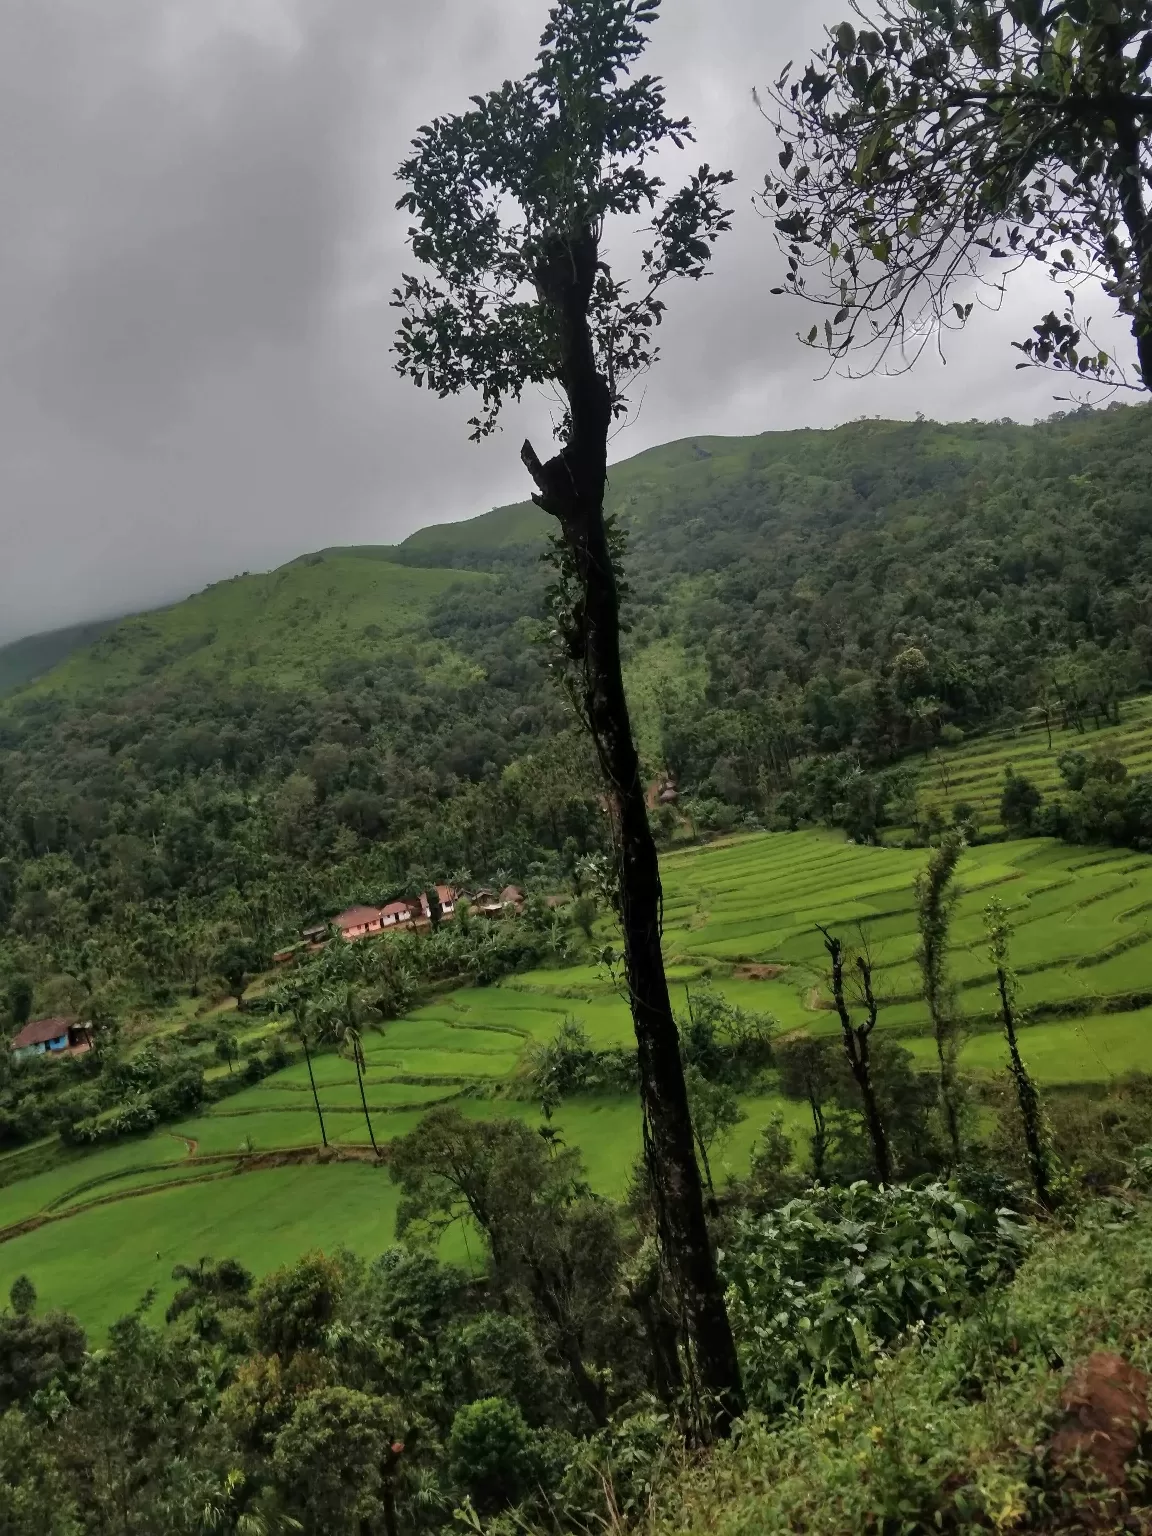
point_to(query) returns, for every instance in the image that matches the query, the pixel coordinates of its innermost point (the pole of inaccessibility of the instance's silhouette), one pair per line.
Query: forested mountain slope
(285, 742)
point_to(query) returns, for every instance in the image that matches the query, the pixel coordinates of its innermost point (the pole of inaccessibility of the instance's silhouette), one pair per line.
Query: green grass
(1071, 1051)
(25, 660)
(1080, 927)
(284, 1091)
(29, 1196)
(100, 1262)
(503, 527)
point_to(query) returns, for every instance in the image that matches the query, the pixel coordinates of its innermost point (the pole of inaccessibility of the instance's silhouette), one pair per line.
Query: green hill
(282, 629)
(905, 524)
(25, 660)
(522, 526)
(640, 489)
(810, 616)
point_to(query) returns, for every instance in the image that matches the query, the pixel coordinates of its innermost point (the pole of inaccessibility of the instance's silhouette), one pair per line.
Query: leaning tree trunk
(571, 488)
(363, 1097)
(819, 1137)
(312, 1080)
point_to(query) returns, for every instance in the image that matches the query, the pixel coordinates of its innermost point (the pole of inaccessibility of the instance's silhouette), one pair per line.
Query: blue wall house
(51, 1037)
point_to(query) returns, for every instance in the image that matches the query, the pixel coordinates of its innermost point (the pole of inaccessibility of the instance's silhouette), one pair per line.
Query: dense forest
(801, 606)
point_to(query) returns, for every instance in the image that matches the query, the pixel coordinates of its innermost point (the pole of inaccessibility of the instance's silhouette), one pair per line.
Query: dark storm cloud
(200, 237)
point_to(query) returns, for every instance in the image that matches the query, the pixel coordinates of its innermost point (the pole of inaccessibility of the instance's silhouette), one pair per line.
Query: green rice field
(96, 1232)
(974, 771)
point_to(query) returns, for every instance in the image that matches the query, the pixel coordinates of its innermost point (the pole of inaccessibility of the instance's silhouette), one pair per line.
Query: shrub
(819, 1286)
(491, 1453)
(1019, 802)
(295, 1305)
(135, 1117)
(631, 1459)
(569, 1064)
(951, 1432)
(724, 1042)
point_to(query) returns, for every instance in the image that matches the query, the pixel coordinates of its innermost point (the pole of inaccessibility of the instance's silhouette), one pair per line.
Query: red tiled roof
(395, 909)
(355, 916)
(38, 1031)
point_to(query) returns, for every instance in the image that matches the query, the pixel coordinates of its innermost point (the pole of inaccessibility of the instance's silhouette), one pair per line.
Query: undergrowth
(948, 1432)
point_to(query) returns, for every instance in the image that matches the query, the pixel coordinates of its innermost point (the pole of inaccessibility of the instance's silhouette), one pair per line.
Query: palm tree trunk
(315, 1095)
(363, 1099)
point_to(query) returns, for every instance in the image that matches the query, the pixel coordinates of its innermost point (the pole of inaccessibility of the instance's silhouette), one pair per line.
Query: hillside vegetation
(282, 630)
(808, 612)
(202, 1240)
(22, 661)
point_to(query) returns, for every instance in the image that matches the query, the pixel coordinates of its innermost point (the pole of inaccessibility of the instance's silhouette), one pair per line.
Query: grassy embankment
(951, 1431)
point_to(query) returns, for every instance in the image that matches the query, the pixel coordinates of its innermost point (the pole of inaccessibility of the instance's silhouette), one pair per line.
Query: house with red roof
(360, 921)
(357, 922)
(51, 1037)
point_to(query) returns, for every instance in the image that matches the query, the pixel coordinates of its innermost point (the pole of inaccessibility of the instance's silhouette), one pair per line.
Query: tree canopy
(934, 147)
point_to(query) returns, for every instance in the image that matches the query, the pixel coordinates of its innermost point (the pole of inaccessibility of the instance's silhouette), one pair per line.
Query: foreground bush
(818, 1287)
(949, 1432)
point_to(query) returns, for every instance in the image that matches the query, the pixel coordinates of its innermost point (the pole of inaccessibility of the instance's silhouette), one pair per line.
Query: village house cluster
(65, 1037)
(360, 922)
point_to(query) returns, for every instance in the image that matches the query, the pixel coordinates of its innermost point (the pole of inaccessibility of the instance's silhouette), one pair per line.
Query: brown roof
(395, 909)
(446, 894)
(354, 916)
(511, 893)
(38, 1031)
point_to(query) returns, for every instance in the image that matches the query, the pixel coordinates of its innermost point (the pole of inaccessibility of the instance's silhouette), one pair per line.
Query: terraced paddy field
(974, 771)
(245, 1178)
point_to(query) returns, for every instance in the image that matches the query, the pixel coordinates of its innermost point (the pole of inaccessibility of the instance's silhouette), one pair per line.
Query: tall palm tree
(292, 998)
(300, 1020)
(343, 1014)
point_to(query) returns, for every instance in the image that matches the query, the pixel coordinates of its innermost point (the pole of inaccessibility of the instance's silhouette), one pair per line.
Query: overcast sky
(199, 240)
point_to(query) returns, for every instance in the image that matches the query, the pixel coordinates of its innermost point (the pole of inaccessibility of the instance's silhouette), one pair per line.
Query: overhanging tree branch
(944, 138)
